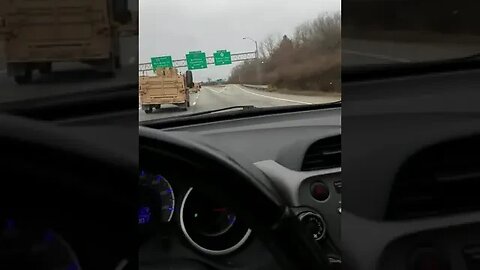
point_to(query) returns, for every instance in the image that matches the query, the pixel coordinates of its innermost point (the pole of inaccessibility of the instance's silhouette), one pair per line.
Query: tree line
(308, 60)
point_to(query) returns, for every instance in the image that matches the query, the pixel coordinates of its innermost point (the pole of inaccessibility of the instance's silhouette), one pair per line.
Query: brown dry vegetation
(309, 60)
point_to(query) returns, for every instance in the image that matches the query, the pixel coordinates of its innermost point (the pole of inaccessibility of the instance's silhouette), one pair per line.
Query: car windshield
(48, 48)
(198, 56)
(410, 31)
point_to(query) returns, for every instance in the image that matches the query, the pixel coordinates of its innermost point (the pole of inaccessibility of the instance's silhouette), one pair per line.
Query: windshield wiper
(242, 108)
(231, 113)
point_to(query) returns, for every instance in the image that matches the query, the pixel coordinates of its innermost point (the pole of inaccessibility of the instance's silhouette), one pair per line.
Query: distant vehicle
(39, 33)
(167, 87)
(196, 87)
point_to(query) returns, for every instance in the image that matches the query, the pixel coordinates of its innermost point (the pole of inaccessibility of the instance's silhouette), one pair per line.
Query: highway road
(211, 98)
(362, 52)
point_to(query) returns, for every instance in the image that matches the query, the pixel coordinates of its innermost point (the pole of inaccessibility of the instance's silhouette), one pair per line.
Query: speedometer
(160, 198)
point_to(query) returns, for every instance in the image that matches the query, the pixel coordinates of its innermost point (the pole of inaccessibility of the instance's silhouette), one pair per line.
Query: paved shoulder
(289, 98)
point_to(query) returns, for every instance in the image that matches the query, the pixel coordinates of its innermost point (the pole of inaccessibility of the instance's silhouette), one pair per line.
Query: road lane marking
(218, 92)
(378, 56)
(196, 99)
(282, 99)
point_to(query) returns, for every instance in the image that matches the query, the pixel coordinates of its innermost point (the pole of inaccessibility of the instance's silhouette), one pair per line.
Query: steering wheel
(65, 201)
(252, 199)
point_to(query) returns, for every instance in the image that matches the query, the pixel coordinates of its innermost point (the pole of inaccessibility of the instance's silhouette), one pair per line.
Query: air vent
(440, 180)
(323, 154)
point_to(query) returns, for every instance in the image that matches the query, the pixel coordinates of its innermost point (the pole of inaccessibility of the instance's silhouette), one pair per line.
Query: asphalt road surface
(363, 52)
(211, 98)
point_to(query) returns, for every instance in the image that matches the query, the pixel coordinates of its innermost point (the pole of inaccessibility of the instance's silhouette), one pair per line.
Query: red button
(429, 259)
(319, 191)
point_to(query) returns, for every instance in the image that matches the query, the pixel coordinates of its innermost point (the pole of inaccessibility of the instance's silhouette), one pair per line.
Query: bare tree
(326, 31)
(310, 60)
(262, 51)
(302, 34)
(271, 43)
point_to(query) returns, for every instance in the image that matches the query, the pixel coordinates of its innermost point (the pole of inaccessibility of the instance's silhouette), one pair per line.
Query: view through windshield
(52, 48)
(399, 32)
(195, 56)
(198, 56)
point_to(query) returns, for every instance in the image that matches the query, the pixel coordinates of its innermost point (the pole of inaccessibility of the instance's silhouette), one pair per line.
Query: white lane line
(276, 98)
(196, 99)
(379, 56)
(218, 92)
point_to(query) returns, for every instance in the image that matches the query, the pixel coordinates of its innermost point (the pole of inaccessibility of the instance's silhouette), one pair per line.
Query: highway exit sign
(161, 62)
(196, 60)
(222, 57)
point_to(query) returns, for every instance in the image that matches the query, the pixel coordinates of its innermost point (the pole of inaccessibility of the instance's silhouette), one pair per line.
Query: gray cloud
(175, 27)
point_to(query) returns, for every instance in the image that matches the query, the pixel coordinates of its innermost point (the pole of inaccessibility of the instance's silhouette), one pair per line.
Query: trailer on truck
(168, 86)
(37, 34)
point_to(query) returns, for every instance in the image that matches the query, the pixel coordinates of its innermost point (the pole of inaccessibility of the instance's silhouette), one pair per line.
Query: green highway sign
(222, 57)
(196, 60)
(161, 62)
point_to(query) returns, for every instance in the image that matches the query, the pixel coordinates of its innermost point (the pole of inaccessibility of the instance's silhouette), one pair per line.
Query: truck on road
(168, 86)
(196, 87)
(39, 33)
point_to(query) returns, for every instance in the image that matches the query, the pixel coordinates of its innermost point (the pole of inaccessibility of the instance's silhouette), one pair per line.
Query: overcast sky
(175, 27)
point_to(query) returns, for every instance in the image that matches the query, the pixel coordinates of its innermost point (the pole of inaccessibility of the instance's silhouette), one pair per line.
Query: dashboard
(300, 155)
(375, 235)
(412, 170)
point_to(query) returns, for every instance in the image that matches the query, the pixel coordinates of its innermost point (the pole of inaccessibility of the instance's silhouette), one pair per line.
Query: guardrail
(256, 86)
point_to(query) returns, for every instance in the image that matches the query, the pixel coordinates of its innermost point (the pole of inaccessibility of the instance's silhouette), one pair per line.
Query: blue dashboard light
(144, 215)
(142, 173)
(10, 224)
(72, 266)
(158, 178)
(231, 219)
(48, 236)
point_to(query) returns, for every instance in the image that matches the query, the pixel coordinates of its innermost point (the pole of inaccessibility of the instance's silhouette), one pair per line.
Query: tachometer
(160, 199)
(210, 226)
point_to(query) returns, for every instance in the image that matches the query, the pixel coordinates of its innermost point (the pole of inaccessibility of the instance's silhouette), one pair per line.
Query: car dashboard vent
(323, 154)
(441, 180)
